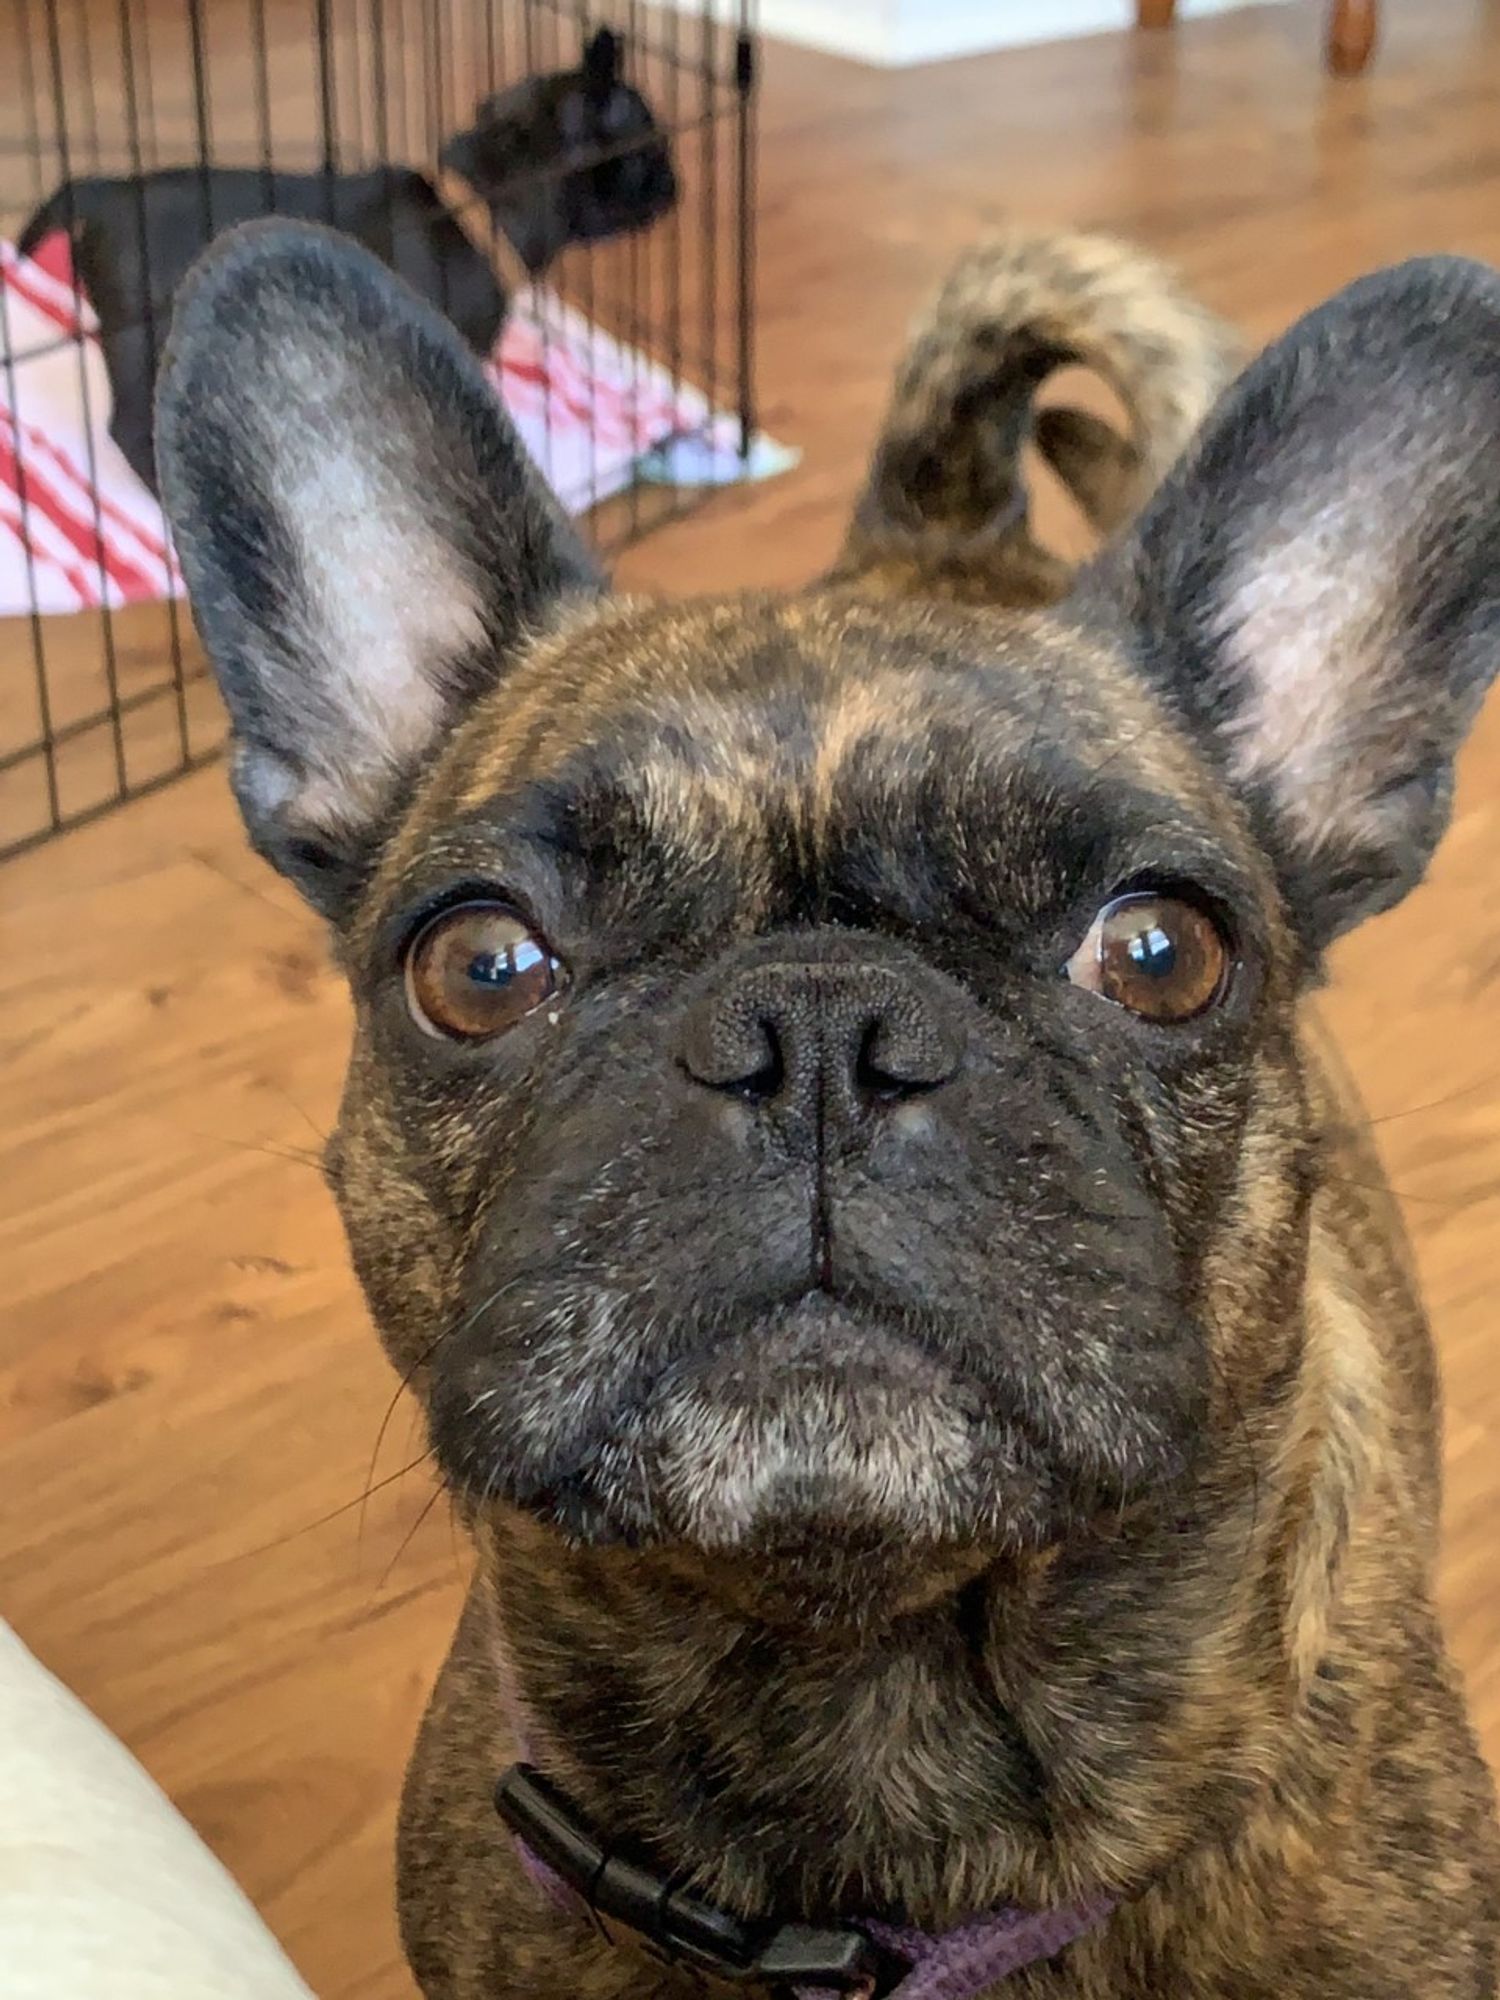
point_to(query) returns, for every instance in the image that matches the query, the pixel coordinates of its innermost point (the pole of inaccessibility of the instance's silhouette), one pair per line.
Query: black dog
(621, 177)
(135, 239)
(571, 157)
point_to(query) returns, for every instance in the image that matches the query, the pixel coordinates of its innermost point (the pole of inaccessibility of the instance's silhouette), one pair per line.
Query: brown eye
(1162, 958)
(476, 971)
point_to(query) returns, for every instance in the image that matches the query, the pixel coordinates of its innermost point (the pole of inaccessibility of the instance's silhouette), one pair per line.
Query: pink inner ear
(1302, 626)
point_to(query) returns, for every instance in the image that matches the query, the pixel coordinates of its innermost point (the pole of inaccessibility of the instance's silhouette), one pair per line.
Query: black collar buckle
(668, 1923)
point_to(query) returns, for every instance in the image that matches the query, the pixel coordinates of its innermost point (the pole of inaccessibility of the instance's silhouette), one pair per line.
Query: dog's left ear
(1317, 586)
(364, 539)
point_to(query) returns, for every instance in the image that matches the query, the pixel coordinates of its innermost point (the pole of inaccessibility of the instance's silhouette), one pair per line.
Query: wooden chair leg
(1154, 13)
(1352, 28)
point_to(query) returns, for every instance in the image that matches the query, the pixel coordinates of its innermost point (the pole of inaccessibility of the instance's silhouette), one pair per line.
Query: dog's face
(571, 158)
(826, 1088)
(806, 1055)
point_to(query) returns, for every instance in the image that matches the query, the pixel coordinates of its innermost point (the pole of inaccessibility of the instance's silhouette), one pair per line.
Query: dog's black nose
(833, 1039)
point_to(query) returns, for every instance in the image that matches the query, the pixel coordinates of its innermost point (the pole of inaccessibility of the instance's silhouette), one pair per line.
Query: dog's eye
(1159, 956)
(477, 970)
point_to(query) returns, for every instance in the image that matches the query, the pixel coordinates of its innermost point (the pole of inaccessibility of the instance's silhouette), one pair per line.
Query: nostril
(761, 1085)
(901, 1058)
(870, 1078)
(736, 1051)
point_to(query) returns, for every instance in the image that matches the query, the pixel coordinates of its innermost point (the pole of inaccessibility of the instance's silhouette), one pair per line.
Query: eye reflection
(477, 970)
(1157, 955)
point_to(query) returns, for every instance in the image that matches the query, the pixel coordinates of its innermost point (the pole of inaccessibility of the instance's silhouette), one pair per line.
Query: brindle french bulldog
(836, 1139)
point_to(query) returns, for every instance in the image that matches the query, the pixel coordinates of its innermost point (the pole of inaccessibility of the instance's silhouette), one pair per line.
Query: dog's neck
(486, 230)
(1005, 1743)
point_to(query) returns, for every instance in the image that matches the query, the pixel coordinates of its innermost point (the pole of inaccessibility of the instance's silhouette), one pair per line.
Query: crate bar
(746, 83)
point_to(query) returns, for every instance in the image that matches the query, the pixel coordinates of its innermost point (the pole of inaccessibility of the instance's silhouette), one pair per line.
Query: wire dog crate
(596, 155)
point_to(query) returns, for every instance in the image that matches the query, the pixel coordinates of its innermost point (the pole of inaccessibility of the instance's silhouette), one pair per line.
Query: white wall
(907, 31)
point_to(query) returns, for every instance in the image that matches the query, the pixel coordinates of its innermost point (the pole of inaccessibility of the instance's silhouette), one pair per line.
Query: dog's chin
(818, 1467)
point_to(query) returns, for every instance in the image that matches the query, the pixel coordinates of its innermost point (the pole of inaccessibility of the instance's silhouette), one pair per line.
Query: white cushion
(106, 1893)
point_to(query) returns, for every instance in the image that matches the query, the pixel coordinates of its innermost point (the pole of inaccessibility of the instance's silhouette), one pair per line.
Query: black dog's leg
(130, 358)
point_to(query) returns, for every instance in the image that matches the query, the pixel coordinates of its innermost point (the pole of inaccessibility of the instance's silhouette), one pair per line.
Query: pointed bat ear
(1317, 586)
(364, 539)
(602, 63)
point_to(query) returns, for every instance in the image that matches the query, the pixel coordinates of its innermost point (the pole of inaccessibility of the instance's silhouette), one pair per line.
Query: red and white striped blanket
(78, 529)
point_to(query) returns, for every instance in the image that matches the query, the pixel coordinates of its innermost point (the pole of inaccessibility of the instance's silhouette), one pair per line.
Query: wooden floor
(190, 1399)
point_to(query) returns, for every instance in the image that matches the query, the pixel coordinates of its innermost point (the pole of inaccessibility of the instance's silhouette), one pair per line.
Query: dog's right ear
(601, 65)
(1316, 587)
(364, 539)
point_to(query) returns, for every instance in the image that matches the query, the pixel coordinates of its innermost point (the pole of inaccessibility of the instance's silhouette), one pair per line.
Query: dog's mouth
(819, 1422)
(805, 1452)
(829, 1466)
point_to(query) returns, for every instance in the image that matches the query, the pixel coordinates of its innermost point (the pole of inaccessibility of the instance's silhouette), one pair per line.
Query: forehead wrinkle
(699, 817)
(688, 667)
(989, 719)
(736, 726)
(886, 707)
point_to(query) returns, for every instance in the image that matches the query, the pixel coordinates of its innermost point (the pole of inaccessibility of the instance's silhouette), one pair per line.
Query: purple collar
(860, 1961)
(965, 1962)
